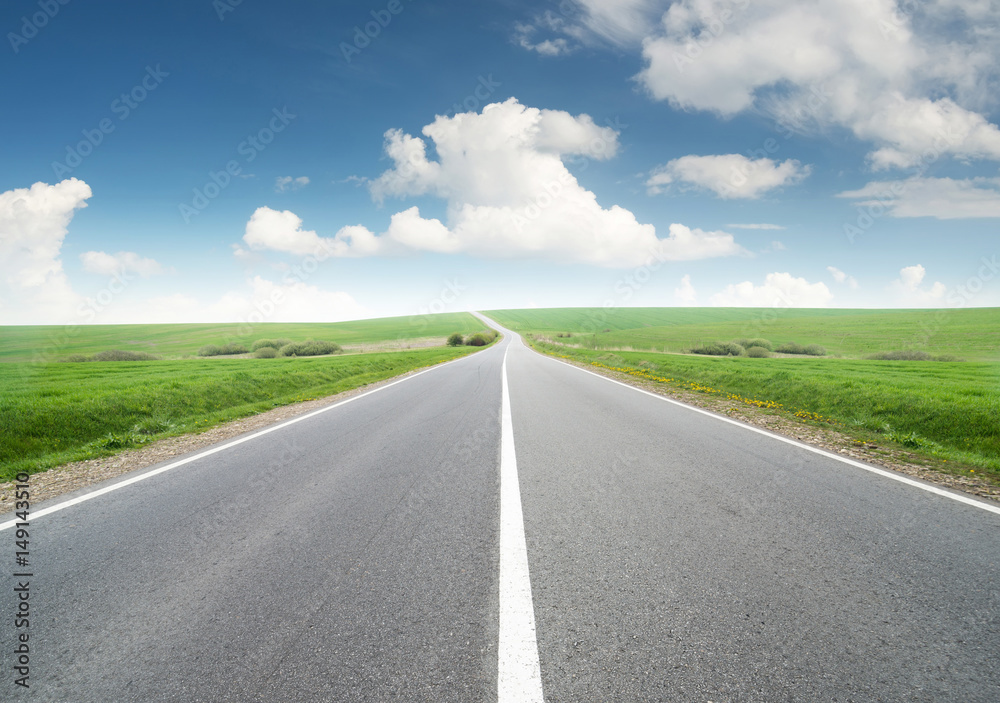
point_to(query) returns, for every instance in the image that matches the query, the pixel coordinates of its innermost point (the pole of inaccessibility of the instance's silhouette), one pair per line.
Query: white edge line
(519, 678)
(34, 515)
(795, 443)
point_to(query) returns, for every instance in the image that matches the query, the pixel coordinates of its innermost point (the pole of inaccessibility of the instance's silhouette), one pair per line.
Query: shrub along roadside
(223, 350)
(270, 343)
(115, 355)
(311, 347)
(481, 339)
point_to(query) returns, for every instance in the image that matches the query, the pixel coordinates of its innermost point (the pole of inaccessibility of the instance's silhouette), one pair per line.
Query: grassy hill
(54, 342)
(972, 334)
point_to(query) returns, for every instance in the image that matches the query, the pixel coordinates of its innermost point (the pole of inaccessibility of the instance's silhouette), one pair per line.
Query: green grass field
(57, 412)
(947, 410)
(972, 334)
(52, 343)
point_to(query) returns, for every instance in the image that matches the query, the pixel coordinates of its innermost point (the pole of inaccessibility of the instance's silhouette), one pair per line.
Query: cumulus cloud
(778, 290)
(892, 78)
(259, 300)
(841, 277)
(943, 198)
(283, 183)
(509, 193)
(685, 294)
(727, 175)
(33, 225)
(282, 231)
(909, 287)
(124, 261)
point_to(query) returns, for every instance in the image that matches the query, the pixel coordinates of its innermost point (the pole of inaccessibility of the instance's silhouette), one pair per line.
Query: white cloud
(283, 183)
(621, 23)
(282, 231)
(727, 175)
(908, 287)
(33, 224)
(894, 79)
(685, 294)
(943, 198)
(778, 290)
(124, 261)
(841, 277)
(755, 226)
(523, 34)
(260, 300)
(508, 194)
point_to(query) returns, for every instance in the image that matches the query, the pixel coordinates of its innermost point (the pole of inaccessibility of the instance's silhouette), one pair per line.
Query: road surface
(355, 555)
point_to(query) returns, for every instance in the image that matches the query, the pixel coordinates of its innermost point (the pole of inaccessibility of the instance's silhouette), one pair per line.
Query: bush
(455, 340)
(477, 340)
(266, 353)
(224, 350)
(119, 355)
(902, 355)
(815, 350)
(270, 343)
(758, 353)
(748, 343)
(76, 358)
(310, 347)
(720, 349)
(790, 348)
(709, 349)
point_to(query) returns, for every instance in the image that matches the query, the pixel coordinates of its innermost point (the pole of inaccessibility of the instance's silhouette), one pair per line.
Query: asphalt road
(355, 556)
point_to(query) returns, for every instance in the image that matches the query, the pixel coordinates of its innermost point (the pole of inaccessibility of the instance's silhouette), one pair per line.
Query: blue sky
(199, 161)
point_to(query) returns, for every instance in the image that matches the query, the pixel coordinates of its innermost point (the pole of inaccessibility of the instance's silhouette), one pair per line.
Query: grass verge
(52, 414)
(945, 411)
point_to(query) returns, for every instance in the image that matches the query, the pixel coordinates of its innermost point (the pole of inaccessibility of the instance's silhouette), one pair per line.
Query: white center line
(519, 677)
